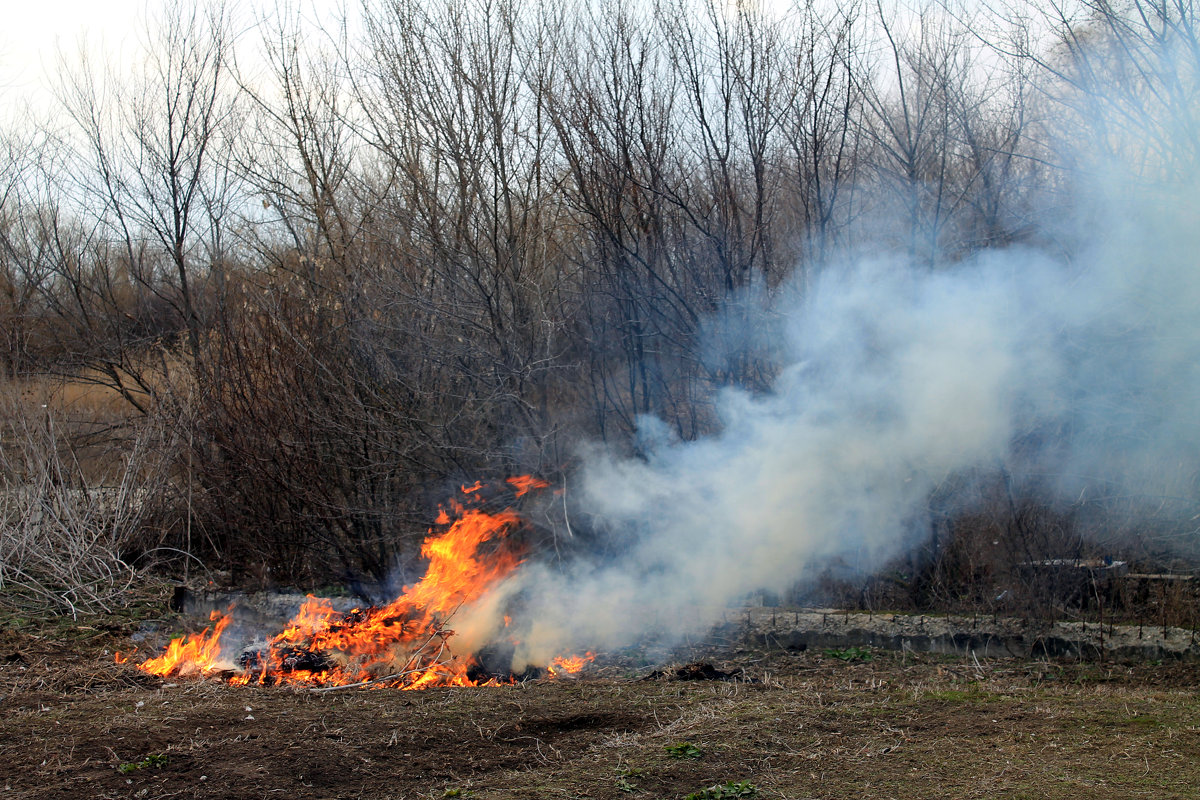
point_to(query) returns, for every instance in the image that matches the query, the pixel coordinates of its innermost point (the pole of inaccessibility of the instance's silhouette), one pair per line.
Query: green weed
(684, 750)
(850, 653)
(154, 761)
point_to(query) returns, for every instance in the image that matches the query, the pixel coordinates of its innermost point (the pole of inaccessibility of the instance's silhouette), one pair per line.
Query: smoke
(1079, 371)
(897, 380)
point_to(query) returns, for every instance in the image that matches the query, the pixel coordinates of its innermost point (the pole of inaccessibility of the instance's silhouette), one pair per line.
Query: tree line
(336, 270)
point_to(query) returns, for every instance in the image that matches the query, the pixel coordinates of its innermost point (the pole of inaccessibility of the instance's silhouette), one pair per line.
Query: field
(851, 723)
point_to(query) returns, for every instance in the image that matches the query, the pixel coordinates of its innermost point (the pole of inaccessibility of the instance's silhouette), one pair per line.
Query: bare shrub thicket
(70, 530)
(353, 266)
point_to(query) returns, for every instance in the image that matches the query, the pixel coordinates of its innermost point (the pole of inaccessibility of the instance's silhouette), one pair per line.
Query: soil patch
(812, 724)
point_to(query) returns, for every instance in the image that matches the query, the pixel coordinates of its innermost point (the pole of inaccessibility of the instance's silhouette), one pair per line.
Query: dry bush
(63, 532)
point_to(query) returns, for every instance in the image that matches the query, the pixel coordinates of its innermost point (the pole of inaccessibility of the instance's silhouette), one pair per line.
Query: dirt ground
(830, 723)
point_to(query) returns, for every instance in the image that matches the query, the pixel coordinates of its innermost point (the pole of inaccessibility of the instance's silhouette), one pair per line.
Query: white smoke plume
(898, 379)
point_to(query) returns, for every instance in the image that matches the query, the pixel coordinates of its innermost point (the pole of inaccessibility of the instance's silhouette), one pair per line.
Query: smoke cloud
(1081, 371)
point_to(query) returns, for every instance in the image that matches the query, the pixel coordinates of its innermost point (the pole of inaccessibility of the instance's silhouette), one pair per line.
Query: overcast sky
(33, 29)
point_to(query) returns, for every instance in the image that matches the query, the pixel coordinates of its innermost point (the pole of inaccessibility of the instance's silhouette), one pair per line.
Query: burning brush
(405, 644)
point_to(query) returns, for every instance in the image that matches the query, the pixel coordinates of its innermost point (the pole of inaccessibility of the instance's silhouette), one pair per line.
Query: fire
(405, 644)
(524, 483)
(197, 653)
(570, 665)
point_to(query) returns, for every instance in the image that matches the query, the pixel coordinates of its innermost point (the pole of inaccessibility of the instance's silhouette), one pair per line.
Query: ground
(849, 723)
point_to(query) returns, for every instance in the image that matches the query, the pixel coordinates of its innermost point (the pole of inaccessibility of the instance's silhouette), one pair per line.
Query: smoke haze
(1079, 373)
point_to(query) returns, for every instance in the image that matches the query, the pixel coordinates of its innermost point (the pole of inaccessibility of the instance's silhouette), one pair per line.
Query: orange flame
(570, 665)
(524, 483)
(191, 654)
(404, 644)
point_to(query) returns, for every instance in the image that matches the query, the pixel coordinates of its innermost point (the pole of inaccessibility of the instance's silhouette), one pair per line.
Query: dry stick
(409, 666)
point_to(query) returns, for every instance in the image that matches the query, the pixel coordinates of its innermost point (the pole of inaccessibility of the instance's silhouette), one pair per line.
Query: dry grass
(85, 399)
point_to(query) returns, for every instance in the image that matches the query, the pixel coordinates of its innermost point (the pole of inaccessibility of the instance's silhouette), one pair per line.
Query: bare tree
(949, 131)
(732, 70)
(1125, 70)
(822, 128)
(150, 163)
(463, 147)
(22, 265)
(910, 125)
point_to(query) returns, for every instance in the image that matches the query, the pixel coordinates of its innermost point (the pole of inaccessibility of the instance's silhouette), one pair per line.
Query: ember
(405, 644)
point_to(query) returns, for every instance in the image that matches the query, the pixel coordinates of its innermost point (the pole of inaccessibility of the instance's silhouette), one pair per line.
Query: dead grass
(812, 726)
(84, 399)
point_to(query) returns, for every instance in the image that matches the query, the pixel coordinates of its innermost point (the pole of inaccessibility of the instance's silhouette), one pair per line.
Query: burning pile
(405, 644)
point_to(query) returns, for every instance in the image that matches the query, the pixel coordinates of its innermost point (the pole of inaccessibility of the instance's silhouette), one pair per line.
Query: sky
(34, 31)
